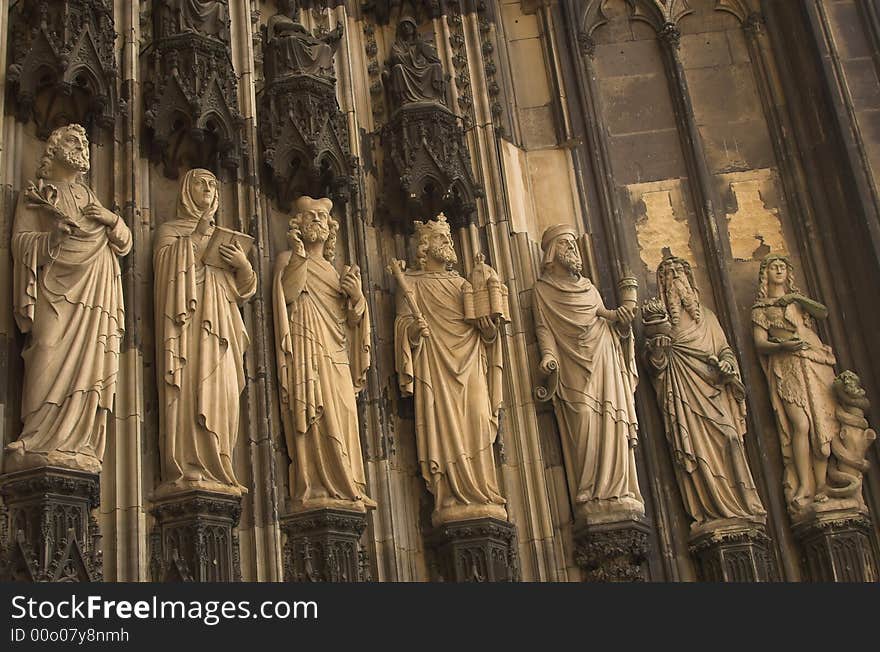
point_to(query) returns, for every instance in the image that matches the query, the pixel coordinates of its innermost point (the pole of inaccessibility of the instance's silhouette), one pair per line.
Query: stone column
(738, 552)
(195, 538)
(49, 533)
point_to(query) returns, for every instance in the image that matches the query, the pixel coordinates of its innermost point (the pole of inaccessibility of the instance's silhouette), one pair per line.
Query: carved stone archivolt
(304, 134)
(192, 114)
(50, 533)
(62, 65)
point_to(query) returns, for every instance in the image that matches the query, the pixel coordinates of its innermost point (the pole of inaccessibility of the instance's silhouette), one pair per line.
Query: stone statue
(452, 365)
(820, 416)
(589, 349)
(209, 17)
(414, 71)
(322, 331)
(67, 294)
(294, 50)
(200, 342)
(702, 399)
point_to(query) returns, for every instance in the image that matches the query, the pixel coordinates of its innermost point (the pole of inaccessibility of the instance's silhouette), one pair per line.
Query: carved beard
(314, 232)
(570, 261)
(679, 293)
(444, 252)
(78, 159)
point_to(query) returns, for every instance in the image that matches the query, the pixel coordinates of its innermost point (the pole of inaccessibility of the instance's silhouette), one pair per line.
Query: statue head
(289, 8)
(675, 282)
(434, 242)
(199, 195)
(559, 244)
(407, 28)
(315, 224)
(67, 146)
(776, 269)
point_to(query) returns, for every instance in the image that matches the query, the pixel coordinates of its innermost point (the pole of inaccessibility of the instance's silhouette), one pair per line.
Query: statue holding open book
(202, 276)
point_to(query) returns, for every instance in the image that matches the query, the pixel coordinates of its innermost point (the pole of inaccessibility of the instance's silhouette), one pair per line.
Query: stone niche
(191, 93)
(62, 65)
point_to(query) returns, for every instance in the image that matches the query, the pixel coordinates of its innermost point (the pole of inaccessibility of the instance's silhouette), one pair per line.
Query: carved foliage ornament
(62, 65)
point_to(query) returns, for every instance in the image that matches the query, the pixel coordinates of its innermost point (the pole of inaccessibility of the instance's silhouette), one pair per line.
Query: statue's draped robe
(594, 401)
(798, 379)
(323, 352)
(200, 342)
(705, 423)
(70, 303)
(205, 16)
(455, 377)
(297, 51)
(416, 74)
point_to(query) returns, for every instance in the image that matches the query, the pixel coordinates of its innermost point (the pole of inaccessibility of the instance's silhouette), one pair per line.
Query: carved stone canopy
(384, 11)
(428, 169)
(62, 65)
(192, 115)
(305, 140)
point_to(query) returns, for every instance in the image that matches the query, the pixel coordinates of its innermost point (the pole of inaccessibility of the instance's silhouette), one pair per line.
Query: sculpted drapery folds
(322, 331)
(589, 348)
(200, 342)
(68, 301)
(702, 399)
(295, 49)
(209, 17)
(414, 68)
(452, 366)
(820, 416)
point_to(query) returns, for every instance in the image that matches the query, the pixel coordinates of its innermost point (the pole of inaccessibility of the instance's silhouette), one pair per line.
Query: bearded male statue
(701, 395)
(452, 365)
(68, 301)
(322, 345)
(590, 349)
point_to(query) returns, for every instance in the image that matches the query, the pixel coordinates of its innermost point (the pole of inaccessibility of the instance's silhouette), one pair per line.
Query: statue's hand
(101, 215)
(487, 327)
(794, 344)
(61, 229)
(624, 315)
(726, 367)
(294, 237)
(418, 329)
(234, 256)
(660, 342)
(351, 284)
(549, 364)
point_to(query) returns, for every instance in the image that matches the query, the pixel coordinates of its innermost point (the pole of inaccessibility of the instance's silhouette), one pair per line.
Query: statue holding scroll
(200, 339)
(588, 349)
(450, 360)
(67, 293)
(322, 346)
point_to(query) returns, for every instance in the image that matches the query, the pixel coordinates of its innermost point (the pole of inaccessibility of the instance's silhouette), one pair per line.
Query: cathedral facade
(440, 290)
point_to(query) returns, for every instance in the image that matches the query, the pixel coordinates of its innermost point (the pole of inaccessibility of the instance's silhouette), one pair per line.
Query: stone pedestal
(613, 551)
(195, 538)
(837, 547)
(476, 550)
(733, 552)
(323, 545)
(49, 532)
